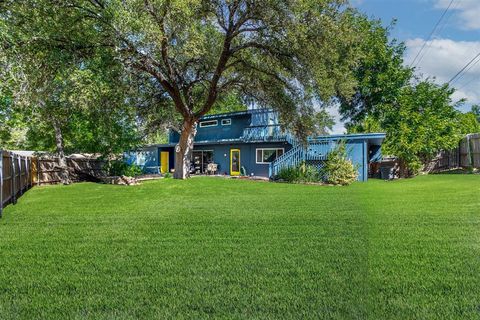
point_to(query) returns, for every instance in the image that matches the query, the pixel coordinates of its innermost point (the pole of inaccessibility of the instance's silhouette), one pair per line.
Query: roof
(353, 136)
(373, 138)
(236, 113)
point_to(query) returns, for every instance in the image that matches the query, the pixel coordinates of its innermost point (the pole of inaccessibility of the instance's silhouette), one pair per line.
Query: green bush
(338, 169)
(310, 173)
(120, 168)
(300, 174)
(288, 174)
(167, 175)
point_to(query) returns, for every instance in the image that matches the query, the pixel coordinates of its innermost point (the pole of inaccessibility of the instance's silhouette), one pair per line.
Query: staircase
(315, 151)
(291, 158)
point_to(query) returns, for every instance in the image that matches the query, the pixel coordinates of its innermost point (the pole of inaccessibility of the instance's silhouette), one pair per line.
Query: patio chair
(212, 168)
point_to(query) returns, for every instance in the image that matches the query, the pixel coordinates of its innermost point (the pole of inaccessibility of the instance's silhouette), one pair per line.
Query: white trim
(276, 151)
(226, 124)
(203, 124)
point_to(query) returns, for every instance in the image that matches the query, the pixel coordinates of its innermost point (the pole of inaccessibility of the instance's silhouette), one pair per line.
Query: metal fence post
(1, 182)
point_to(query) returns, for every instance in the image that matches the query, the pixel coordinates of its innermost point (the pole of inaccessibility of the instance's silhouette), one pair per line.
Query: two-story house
(252, 143)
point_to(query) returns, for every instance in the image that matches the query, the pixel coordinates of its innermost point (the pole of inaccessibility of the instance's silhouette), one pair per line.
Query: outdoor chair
(212, 168)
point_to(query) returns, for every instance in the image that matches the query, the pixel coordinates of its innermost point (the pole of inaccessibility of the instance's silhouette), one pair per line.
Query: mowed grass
(233, 249)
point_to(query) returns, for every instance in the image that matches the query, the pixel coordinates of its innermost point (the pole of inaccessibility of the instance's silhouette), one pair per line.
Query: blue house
(252, 143)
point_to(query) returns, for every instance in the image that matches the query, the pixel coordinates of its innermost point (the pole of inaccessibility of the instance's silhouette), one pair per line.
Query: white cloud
(443, 58)
(468, 12)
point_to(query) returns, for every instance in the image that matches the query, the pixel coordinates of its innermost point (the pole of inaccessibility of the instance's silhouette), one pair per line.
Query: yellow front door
(164, 161)
(234, 162)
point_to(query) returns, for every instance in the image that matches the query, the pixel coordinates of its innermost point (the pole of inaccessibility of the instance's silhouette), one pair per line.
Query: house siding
(248, 131)
(219, 132)
(221, 156)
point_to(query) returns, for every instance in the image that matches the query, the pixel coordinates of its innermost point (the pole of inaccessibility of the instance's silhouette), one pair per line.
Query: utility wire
(466, 70)
(440, 29)
(456, 76)
(467, 84)
(433, 31)
(472, 79)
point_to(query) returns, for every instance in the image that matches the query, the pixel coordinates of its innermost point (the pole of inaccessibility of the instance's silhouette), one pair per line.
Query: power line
(467, 84)
(440, 29)
(433, 31)
(464, 67)
(472, 79)
(466, 71)
(449, 16)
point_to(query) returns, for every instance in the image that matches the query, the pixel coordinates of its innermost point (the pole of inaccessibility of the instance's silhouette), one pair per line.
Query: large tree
(69, 94)
(290, 55)
(422, 121)
(419, 117)
(381, 75)
(469, 122)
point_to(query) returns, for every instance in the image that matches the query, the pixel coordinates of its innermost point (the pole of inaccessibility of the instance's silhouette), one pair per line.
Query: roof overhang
(236, 113)
(373, 138)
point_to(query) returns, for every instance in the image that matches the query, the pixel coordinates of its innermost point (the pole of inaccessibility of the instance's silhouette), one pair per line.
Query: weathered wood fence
(15, 177)
(466, 155)
(19, 173)
(46, 170)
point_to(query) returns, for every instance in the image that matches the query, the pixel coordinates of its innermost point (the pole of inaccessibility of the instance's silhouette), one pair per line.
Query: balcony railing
(264, 133)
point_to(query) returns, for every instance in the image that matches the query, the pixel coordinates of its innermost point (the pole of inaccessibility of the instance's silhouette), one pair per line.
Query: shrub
(120, 168)
(337, 169)
(167, 175)
(302, 173)
(309, 173)
(288, 174)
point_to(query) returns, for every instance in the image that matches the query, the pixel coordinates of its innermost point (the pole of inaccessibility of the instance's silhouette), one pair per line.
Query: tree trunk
(62, 161)
(184, 148)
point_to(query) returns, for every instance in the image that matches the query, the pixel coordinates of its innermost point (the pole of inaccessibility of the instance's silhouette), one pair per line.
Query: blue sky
(416, 18)
(456, 41)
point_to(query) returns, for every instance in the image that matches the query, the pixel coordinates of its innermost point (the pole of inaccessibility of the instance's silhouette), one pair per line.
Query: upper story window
(226, 122)
(267, 155)
(209, 123)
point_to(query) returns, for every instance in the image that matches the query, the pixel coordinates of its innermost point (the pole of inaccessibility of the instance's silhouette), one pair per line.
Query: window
(226, 122)
(267, 155)
(209, 123)
(201, 159)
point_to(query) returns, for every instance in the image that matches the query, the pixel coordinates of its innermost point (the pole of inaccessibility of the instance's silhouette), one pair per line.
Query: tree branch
(172, 74)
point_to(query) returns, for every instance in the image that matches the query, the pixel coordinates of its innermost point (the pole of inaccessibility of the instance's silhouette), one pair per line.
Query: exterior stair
(314, 151)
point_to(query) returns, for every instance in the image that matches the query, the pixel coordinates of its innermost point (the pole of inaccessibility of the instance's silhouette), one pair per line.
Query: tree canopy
(380, 75)
(105, 74)
(294, 56)
(469, 122)
(418, 116)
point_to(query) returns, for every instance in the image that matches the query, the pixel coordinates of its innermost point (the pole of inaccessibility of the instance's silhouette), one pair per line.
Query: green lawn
(217, 248)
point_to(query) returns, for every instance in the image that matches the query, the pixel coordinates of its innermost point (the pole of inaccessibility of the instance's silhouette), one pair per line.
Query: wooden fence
(15, 177)
(470, 151)
(46, 170)
(19, 173)
(466, 155)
